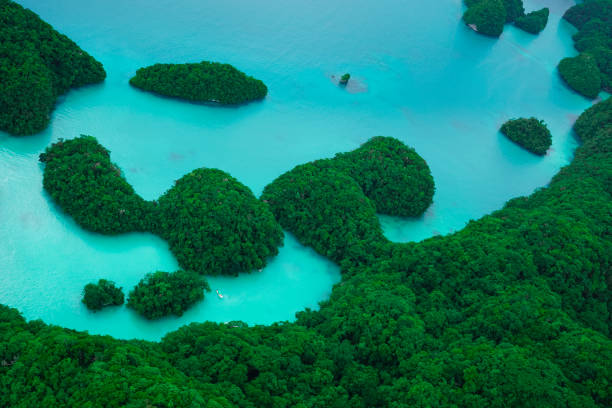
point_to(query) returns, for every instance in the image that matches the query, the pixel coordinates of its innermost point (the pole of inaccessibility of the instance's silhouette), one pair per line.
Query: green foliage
(202, 82)
(325, 209)
(392, 175)
(162, 293)
(594, 121)
(37, 64)
(331, 204)
(603, 57)
(533, 22)
(594, 33)
(47, 366)
(514, 9)
(80, 177)
(580, 14)
(487, 16)
(581, 74)
(345, 78)
(213, 223)
(592, 69)
(532, 134)
(511, 311)
(102, 294)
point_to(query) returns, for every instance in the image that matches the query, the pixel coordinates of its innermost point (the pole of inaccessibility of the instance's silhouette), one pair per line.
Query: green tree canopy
(99, 295)
(532, 134)
(203, 82)
(162, 293)
(37, 64)
(590, 71)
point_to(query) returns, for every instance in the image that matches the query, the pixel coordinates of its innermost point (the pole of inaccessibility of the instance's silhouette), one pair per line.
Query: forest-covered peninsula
(37, 64)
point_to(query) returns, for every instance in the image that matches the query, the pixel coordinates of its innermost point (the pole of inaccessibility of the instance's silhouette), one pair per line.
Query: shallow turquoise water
(422, 76)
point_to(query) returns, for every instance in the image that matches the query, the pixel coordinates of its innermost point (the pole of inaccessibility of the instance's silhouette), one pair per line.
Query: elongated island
(200, 82)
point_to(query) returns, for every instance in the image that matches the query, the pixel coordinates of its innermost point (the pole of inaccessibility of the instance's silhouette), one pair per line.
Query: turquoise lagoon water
(420, 76)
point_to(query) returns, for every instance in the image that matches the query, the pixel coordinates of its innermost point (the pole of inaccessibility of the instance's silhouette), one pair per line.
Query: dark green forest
(512, 311)
(80, 177)
(488, 17)
(37, 64)
(531, 134)
(202, 82)
(213, 223)
(590, 71)
(533, 22)
(97, 296)
(160, 294)
(391, 174)
(331, 204)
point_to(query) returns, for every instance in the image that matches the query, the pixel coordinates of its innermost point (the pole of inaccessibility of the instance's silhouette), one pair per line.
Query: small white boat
(219, 294)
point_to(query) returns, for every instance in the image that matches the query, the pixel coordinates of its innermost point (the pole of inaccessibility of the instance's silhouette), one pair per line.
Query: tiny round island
(344, 79)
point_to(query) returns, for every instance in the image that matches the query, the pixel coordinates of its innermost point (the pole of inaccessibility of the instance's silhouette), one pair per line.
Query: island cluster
(511, 311)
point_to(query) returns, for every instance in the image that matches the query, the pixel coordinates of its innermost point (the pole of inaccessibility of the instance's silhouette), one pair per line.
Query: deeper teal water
(423, 78)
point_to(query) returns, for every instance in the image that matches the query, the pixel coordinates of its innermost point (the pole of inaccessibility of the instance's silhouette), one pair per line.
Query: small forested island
(511, 311)
(104, 293)
(37, 64)
(590, 71)
(532, 134)
(533, 22)
(162, 293)
(213, 223)
(488, 17)
(200, 82)
(344, 79)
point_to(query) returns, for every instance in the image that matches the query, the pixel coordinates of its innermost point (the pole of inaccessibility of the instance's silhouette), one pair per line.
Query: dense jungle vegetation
(104, 293)
(532, 134)
(202, 82)
(533, 22)
(392, 175)
(83, 181)
(591, 70)
(213, 223)
(488, 17)
(37, 64)
(345, 193)
(512, 311)
(162, 293)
